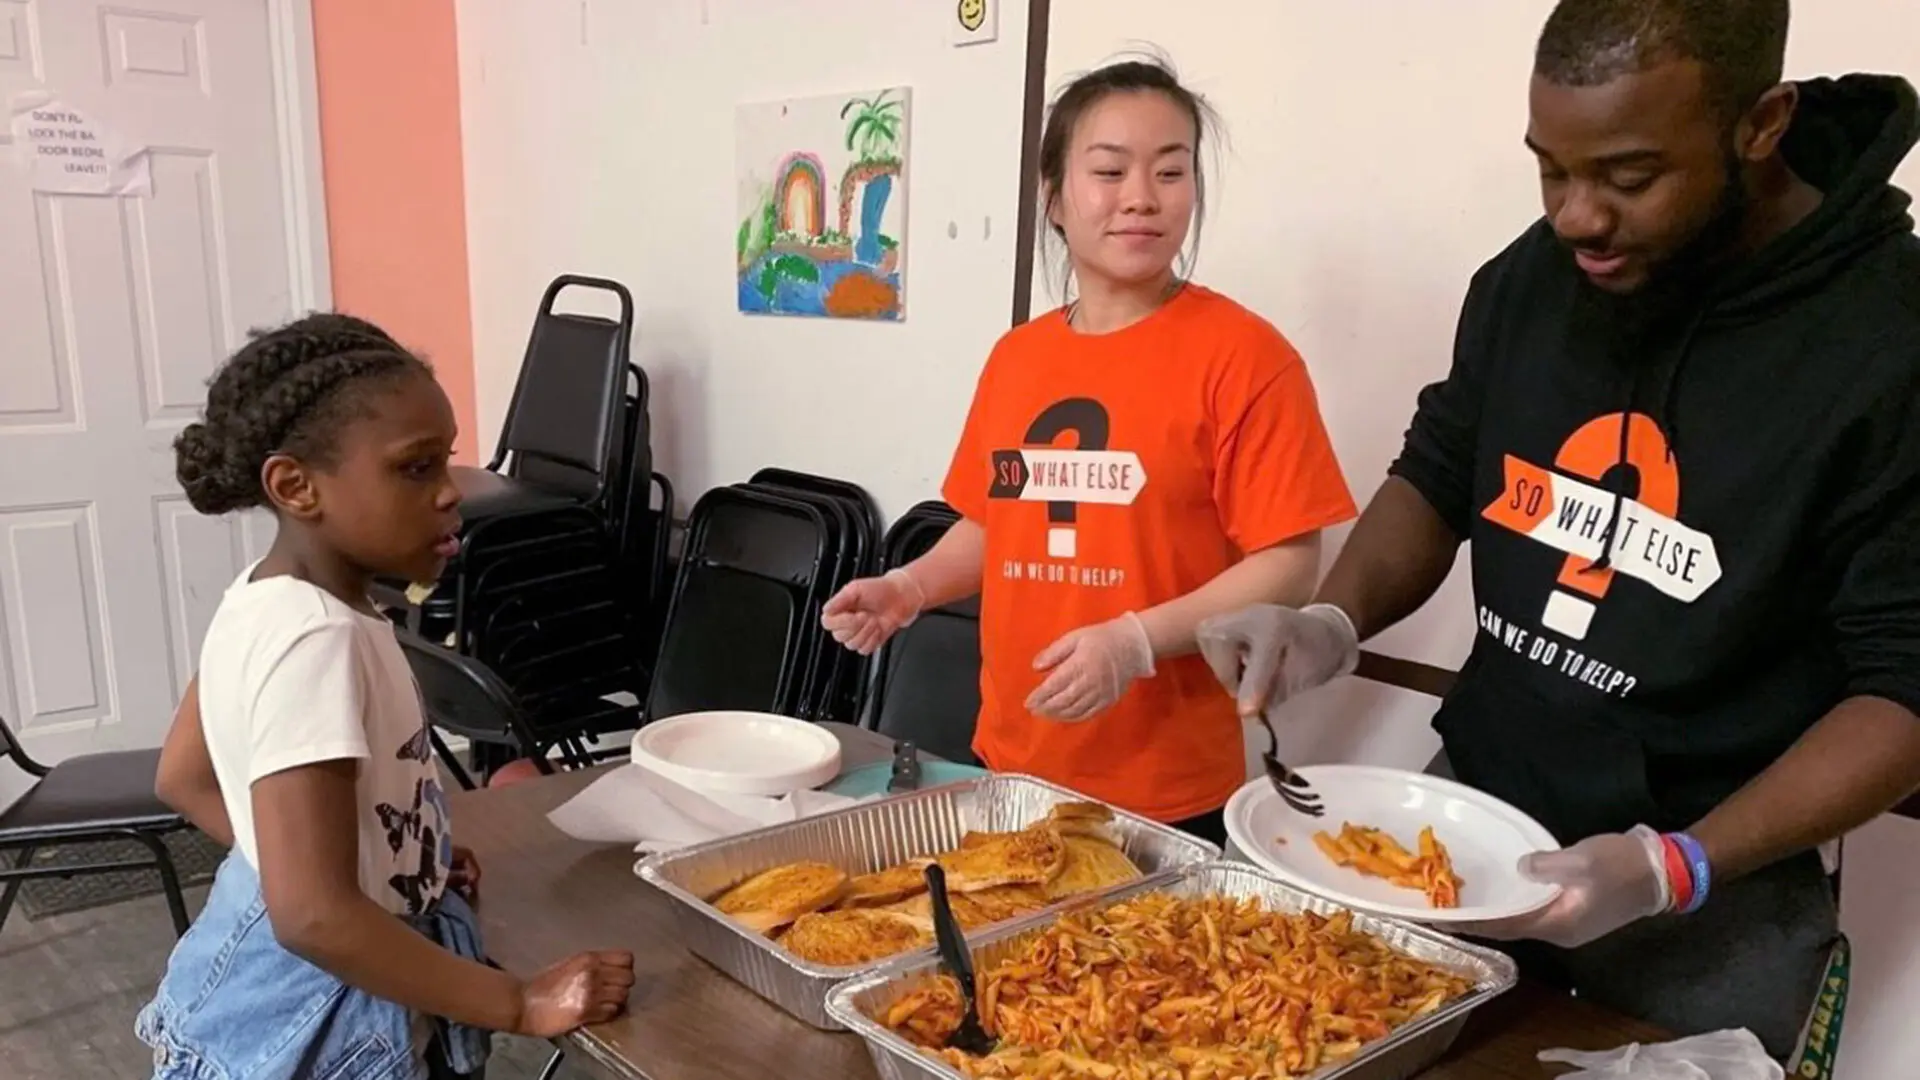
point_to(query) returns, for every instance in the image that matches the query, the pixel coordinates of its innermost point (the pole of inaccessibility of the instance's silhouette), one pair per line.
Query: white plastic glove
(1090, 668)
(1266, 654)
(1605, 883)
(1733, 1054)
(864, 614)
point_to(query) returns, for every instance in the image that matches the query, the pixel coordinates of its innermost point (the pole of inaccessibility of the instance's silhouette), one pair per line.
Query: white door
(113, 313)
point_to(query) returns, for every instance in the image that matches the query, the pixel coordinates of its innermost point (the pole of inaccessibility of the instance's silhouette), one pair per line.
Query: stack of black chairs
(831, 688)
(562, 548)
(558, 606)
(923, 685)
(759, 563)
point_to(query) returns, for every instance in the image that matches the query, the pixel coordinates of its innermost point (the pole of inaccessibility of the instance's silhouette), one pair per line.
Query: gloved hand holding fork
(1266, 654)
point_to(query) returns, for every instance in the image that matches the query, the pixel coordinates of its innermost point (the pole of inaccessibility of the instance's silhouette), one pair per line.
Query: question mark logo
(1589, 453)
(1084, 417)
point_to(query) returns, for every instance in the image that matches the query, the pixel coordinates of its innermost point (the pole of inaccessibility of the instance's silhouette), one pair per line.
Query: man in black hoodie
(1682, 433)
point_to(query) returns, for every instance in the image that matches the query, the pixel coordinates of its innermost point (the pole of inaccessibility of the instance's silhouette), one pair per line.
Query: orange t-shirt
(1115, 472)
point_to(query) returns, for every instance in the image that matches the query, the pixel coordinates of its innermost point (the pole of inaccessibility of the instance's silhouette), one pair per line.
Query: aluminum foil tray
(1404, 1053)
(862, 839)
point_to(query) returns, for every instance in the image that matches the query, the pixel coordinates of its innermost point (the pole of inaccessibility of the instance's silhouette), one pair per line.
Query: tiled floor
(71, 984)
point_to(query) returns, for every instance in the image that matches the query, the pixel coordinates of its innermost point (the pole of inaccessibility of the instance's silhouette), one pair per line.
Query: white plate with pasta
(1395, 843)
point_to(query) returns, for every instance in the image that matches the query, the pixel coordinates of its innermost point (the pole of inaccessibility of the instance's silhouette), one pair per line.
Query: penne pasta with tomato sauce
(1375, 853)
(1165, 988)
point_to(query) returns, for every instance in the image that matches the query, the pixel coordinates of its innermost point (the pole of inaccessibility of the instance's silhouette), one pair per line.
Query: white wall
(599, 139)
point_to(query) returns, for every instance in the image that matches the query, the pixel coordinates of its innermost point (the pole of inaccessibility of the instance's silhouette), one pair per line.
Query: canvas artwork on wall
(822, 225)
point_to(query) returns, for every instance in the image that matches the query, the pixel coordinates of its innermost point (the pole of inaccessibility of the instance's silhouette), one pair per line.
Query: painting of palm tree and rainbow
(822, 225)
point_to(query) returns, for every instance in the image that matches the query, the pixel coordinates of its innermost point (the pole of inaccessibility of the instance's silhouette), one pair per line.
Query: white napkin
(637, 806)
(1734, 1054)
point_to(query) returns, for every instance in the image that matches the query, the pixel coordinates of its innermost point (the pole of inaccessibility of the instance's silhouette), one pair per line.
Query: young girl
(1142, 458)
(329, 944)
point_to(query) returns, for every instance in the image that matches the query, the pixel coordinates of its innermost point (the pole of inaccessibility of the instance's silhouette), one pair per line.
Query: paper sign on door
(70, 153)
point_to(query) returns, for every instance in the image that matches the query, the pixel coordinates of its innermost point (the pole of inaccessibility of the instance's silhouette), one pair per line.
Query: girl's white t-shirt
(291, 676)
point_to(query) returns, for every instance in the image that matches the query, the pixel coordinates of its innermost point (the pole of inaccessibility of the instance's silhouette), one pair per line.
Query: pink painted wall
(389, 89)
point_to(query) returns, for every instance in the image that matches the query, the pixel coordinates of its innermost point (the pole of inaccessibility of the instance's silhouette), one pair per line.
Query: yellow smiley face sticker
(972, 13)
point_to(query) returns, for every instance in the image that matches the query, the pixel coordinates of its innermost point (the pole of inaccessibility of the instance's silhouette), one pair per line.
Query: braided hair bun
(285, 392)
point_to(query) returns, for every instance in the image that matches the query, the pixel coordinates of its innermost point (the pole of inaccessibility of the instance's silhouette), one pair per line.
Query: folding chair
(924, 684)
(745, 605)
(647, 537)
(927, 683)
(832, 683)
(868, 531)
(87, 800)
(566, 421)
(916, 532)
(461, 695)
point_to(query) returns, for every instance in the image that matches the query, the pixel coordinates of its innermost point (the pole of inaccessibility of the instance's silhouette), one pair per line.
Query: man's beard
(1625, 324)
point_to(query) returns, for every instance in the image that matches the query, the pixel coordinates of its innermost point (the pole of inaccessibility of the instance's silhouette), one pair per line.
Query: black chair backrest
(924, 685)
(728, 644)
(13, 749)
(630, 478)
(646, 531)
(829, 681)
(760, 533)
(745, 607)
(916, 532)
(564, 424)
(631, 505)
(465, 697)
(833, 684)
(929, 690)
(864, 512)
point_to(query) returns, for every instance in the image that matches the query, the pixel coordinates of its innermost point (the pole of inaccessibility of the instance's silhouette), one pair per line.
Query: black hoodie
(1761, 542)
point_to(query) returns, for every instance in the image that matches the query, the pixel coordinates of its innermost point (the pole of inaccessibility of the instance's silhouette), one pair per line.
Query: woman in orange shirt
(1144, 457)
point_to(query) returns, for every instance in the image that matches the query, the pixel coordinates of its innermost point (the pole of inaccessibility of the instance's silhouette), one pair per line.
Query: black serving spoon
(969, 1036)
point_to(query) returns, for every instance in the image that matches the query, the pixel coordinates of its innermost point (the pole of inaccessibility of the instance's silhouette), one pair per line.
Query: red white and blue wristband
(1679, 878)
(1695, 879)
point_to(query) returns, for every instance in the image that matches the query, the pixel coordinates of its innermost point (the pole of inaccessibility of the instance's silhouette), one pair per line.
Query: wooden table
(546, 896)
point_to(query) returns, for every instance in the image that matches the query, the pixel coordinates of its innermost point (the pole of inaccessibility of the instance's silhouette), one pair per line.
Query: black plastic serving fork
(969, 1036)
(1294, 791)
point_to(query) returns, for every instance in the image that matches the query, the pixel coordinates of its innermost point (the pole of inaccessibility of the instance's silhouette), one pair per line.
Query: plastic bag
(1720, 1055)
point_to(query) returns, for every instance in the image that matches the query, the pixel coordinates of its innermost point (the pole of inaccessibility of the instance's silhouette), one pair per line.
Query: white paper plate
(741, 753)
(1484, 836)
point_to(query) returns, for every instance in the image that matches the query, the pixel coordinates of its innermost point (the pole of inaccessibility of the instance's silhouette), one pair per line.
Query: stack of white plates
(739, 753)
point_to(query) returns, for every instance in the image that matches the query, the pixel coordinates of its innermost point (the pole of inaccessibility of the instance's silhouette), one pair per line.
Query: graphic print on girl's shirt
(291, 676)
(413, 829)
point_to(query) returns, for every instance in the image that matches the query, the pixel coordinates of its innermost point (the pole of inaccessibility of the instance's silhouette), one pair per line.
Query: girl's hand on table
(1090, 668)
(589, 988)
